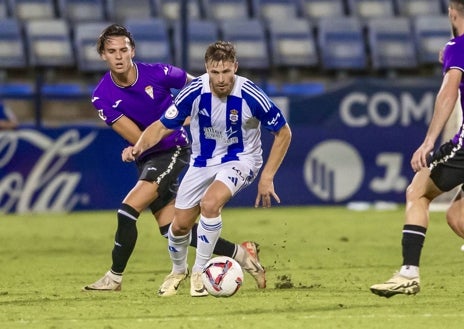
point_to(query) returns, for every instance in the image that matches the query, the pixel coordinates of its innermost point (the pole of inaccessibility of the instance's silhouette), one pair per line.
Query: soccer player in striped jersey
(130, 97)
(227, 112)
(437, 173)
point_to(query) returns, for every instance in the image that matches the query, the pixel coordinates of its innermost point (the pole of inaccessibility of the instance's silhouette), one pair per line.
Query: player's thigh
(193, 186)
(236, 175)
(422, 186)
(141, 195)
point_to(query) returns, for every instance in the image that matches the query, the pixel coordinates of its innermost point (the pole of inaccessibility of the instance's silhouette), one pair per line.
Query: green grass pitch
(320, 263)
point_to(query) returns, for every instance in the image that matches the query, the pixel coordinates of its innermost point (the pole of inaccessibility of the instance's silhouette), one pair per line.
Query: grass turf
(320, 263)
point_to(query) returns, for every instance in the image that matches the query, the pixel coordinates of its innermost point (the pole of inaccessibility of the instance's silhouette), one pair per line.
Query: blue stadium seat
(81, 10)
(229, 9)
(316, 9)
(366, 9)
(171, 9)
(49, 43)
(411, 8)
(248, 35)
(431, 34)
(341, 43)
(32, 9)
(278, 9)
(12, 46)
(391, 43)
(85, 37)
(4, 9)
(118, 11)
(292, 45)
(152, 43)
(200, 34)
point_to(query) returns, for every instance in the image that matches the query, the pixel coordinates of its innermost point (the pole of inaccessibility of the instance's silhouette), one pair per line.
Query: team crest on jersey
(233, 116)
(149, 91)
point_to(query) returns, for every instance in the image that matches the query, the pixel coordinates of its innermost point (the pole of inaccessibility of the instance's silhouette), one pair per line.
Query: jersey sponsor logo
(166, 70)
(221, 136)
(102, 115)
(274, 120)
(116, 104)
(149, 91)
(203, 238)
(450, 43)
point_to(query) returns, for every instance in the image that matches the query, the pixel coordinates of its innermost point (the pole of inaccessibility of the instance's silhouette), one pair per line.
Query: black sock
(412, 242)
(125, 238)
(222, 248)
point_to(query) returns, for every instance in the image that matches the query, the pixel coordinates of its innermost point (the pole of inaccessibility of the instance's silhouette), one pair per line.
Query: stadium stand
(49, 43)
(413, 8)
(229, 9)
(292, 45)
(12, 47)
(249, 37)
(431, 33)
(170, 9)
(4, 9)
(200, 34)
(81, 10)
(32, 9)
(391, 43)
(366, 9)
(341, 44)
(278, 9)
(315, 9)
(118, 11)
(85, 36)
(152, 40)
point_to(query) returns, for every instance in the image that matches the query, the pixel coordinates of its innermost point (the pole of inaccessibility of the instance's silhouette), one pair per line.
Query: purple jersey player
(129, 98)
(436, 172)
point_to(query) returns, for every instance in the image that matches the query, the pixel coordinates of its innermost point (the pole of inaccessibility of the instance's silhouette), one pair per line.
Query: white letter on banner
(392, 181)
(392, 109)
(423, 110)
(345, 110)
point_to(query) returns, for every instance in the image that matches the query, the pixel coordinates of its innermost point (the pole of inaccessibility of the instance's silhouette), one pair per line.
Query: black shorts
(164, 169)
(447, 166)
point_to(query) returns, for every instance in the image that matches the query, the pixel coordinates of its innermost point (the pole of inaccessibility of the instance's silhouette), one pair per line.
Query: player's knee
(210, 208)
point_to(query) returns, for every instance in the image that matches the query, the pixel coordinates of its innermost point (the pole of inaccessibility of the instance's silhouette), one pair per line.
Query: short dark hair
(114, 30)
(221, 51)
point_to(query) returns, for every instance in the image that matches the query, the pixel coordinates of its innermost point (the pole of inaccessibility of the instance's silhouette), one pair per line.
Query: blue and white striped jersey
(224, 129)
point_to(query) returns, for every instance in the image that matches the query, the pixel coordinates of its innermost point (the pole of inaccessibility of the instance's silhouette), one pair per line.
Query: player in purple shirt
(436, 172)
(129, 97)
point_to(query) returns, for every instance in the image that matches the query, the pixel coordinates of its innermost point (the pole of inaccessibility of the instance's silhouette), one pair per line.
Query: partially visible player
(441, 172)
(8, 120)
(227, 112)
(130, 97)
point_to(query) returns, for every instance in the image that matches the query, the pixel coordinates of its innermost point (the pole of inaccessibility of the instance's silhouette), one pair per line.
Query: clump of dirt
(284, 282)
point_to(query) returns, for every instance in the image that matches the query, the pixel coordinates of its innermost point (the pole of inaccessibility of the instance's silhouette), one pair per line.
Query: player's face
(221, 77)
(118, 54)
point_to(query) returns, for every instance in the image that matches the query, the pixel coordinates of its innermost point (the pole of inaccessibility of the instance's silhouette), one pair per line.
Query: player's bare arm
(279, 148)
(150, 137)
(444, 106)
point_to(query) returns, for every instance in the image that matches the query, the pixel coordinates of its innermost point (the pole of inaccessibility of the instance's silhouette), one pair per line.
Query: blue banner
(351, 143)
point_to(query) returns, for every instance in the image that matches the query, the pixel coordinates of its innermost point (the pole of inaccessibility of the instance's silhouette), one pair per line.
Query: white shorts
(236, 175)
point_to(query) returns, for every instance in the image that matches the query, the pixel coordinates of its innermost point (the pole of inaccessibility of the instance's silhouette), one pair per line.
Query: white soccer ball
(222, 276)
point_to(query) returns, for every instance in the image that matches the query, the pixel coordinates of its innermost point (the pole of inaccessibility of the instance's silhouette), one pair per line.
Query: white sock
(208, 232)
(409, 271)
(178, 251)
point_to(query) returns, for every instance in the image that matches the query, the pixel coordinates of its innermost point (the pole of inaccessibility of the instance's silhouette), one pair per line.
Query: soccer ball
(222, 276)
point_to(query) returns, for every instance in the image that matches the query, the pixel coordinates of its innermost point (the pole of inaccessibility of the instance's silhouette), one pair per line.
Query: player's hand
(127, 154)
(419, 158)
(265, 194)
